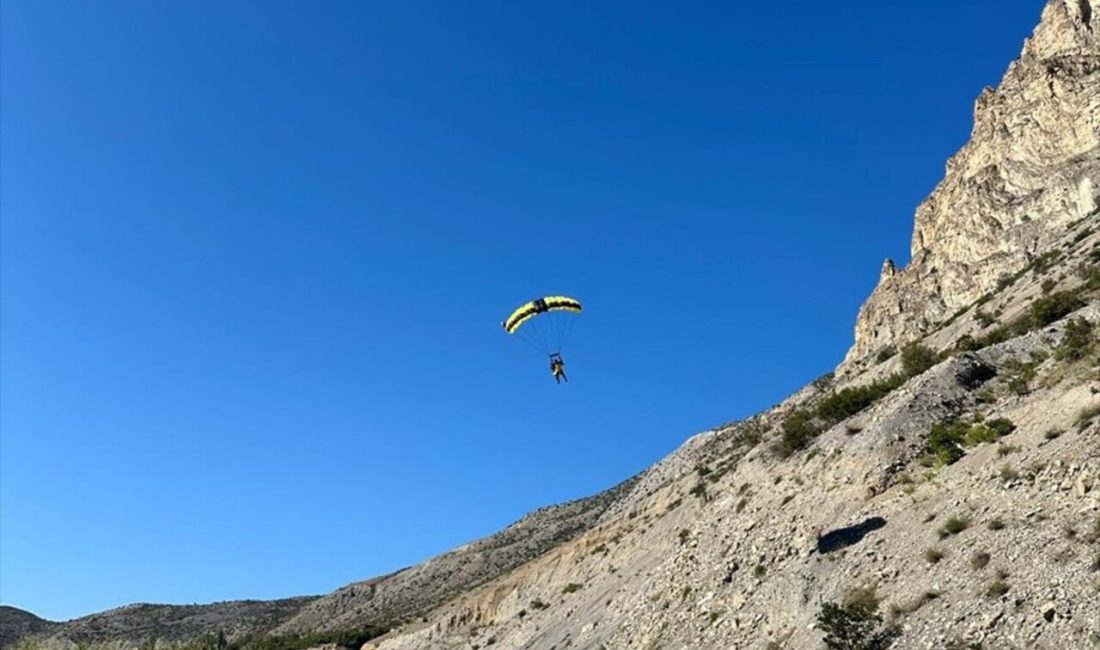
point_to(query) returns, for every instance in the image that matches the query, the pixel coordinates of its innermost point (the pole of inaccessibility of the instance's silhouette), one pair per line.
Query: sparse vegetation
(1044, 262)
(799, 430)
(984, 318)
(571, 587)
(916, 358)
(898, 610)
(979, 560)
(945, 444)
(995, 524)
(854, 624)
(1077, 341)
(352, 639)
(849, 401)
(954, 525)
(1001, 426)
(1086, 416)
(1020, 374)
(997, 588)
(1050, 308)
(933, 555)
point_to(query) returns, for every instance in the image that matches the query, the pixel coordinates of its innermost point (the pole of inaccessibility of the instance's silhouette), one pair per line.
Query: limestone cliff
(1031, 168)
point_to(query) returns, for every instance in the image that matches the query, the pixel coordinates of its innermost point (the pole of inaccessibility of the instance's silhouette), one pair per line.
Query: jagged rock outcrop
(1031, 168)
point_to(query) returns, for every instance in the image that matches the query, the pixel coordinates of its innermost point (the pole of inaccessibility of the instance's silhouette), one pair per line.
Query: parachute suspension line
(567, 330)
(544, 335)
(554, 324)
(526, 337)
(539, 330)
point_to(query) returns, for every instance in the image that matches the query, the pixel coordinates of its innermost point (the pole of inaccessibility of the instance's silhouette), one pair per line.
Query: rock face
(852, 487)
(1031, 168)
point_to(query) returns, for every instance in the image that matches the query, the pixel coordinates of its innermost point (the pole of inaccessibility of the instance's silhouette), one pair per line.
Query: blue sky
(254, 258)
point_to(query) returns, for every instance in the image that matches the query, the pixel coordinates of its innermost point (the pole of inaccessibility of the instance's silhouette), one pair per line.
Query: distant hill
(16, 624)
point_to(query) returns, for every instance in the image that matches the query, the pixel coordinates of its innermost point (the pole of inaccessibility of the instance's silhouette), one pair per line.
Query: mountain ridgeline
(941, 489)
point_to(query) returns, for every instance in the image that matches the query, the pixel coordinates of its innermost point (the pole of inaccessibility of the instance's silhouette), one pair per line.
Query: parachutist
(557, 368)
(545, 324)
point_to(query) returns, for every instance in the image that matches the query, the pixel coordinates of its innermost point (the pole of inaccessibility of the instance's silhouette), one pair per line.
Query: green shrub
(849, 401)
(1048, 285)
(1086, 415)
(995, 524)
(1076, 341)
(967, 343)
(997, 588)
(885, 354)
(933, 555)
(853, 626)
(916, 358)
(1043, 263)
(751, 434)
(954, 525)
(977, 434)
(571, 587)
(1001, 426)
(1048, 309)
(799, 430)
(1020, 374)
(1090, 273)
(995, 336)
(944, 444)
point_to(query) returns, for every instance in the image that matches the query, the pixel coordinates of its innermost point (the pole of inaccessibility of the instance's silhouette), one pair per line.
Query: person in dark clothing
(557, 368)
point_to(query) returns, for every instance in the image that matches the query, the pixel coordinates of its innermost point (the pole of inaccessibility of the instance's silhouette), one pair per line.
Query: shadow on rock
(835, 540)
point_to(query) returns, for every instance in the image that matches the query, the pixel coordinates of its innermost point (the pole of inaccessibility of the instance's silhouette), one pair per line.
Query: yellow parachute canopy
(529, 310)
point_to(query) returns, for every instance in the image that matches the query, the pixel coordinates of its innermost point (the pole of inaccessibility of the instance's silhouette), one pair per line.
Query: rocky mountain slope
(942, 490)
